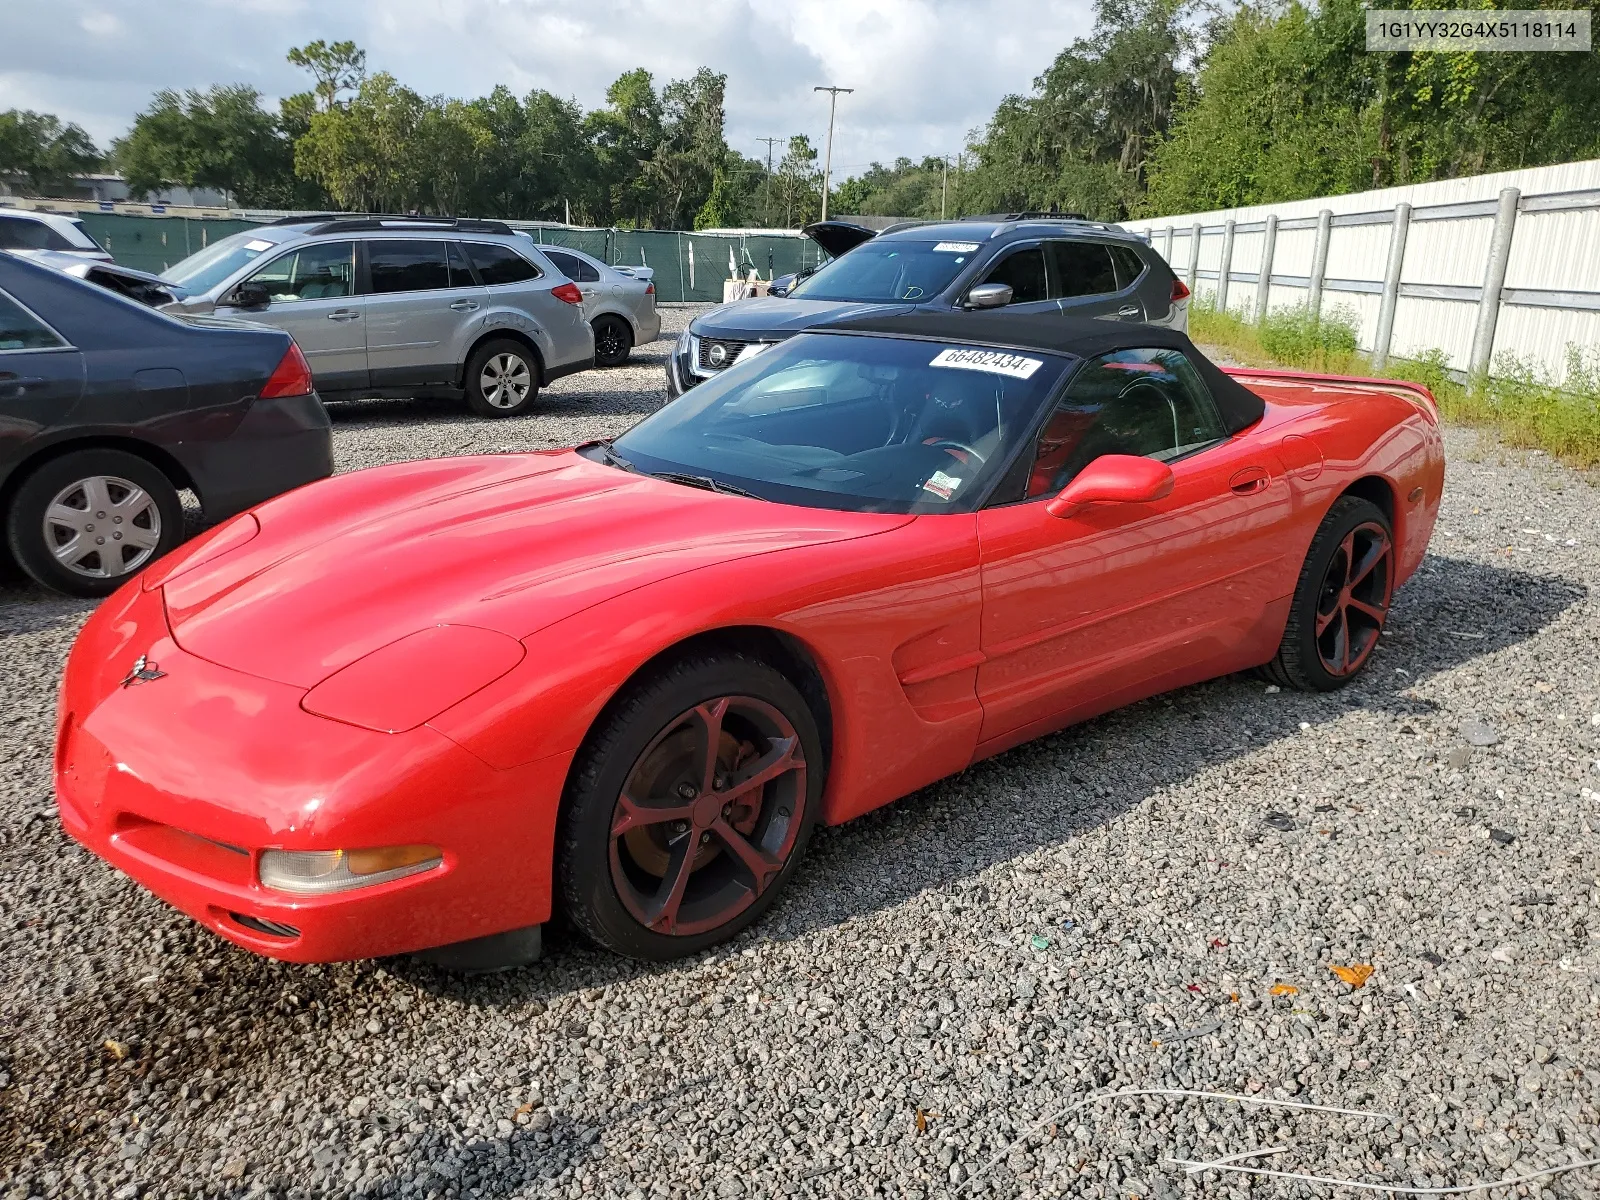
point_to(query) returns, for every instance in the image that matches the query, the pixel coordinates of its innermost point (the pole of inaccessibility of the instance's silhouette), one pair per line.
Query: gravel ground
(1152, 900)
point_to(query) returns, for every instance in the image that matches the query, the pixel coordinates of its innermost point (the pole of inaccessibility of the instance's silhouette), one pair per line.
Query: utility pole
(827, 161)
(944, 181)
(766, 190)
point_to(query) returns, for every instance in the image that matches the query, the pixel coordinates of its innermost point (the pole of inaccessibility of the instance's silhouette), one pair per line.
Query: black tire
(1318, 660)
(613, 342)
(604, 877)
(138, 529)
(517, 370)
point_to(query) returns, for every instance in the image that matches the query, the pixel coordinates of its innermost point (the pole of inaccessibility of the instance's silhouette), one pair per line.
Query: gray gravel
(1107, 908)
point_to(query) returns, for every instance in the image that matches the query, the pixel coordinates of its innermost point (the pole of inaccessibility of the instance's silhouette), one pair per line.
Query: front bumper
(280, 444)
(180, 782)
(679, 378)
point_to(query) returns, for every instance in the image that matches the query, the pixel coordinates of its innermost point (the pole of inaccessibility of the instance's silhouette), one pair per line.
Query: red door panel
(1086, 606)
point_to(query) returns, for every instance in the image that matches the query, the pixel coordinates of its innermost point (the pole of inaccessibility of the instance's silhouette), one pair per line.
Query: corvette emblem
(143, 672)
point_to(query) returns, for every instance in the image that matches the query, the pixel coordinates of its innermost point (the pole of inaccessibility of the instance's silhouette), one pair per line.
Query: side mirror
(988, 295)
(1114, 479)
(248, 295)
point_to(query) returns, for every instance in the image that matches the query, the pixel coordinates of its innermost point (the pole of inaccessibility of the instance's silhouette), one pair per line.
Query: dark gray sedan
(108, 409)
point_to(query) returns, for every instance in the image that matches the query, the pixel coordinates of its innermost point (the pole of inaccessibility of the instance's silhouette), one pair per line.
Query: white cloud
(925, 71)
(100, 24)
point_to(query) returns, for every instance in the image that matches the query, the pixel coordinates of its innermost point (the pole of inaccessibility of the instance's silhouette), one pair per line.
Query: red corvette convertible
(416, 708)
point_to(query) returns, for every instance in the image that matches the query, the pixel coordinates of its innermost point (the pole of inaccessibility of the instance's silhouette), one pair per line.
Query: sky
(925, 72)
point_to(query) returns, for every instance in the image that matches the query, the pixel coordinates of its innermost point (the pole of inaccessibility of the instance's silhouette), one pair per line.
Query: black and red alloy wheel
(708, 816)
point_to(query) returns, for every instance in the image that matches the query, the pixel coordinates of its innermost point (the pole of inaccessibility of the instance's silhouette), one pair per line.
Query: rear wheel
(689, 807)
(613, 341)
(85, 522)
(1341, 602)
(502, 379)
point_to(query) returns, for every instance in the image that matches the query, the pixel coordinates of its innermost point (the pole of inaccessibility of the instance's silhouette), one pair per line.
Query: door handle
(465, 305)
(15, 385)
(1129, 311)
(1249, 481)
(343, 314)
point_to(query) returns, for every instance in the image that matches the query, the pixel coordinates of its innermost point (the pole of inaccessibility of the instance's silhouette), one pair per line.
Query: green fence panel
(689, 267)
(156, 243)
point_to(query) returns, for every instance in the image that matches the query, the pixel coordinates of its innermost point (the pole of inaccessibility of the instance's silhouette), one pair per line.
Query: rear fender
(1395, 439)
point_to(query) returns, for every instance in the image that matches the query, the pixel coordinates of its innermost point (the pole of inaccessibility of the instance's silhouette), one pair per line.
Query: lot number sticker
(955, 247)
(997, 362)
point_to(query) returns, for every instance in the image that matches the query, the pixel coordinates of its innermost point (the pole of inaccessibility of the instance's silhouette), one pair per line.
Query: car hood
(511, 543)
(769, 319)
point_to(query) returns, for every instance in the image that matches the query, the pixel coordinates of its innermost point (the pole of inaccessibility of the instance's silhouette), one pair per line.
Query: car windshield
(858, 422)
(889, 270)
(202, 271)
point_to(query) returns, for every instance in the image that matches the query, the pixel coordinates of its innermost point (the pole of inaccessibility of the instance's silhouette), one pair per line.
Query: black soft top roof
(1082, 336)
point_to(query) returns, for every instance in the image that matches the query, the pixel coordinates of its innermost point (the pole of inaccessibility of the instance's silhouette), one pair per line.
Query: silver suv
(399, 306)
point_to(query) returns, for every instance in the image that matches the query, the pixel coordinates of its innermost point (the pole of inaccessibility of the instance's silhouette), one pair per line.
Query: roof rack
(1007, 221)
(1035, 214)
(359, 222)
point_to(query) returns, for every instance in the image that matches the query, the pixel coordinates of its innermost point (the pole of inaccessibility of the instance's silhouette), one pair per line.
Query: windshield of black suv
(202, 271)
(889, 269)
(858, 422)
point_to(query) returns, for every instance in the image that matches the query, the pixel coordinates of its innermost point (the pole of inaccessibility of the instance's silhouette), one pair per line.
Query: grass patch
(1517, 401)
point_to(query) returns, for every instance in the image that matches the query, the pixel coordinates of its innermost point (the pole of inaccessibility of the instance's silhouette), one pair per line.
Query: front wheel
(689, 807)
(85, 522)
(502, 379)
(1341, 601)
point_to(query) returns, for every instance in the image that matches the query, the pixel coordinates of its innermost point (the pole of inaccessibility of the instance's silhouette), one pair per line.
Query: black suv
(1034, 263)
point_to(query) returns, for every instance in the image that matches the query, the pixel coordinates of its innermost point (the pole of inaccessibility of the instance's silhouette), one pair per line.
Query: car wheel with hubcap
(502, 379)
(86, 522)
(613, 342)
(1341, 602)
(689, 807)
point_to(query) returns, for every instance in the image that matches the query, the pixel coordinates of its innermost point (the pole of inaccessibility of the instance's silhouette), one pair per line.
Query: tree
(903, 189)
(1081, 141)
(692, 151)
(221, 138)
(798, 190)
(42, 153)
(369, 153)
(722, 205)
(1288, 104)
(340, 67)
(625, 134)
(558, 163)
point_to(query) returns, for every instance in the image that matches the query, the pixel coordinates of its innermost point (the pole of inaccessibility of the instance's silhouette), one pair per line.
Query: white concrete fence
(1475, 267)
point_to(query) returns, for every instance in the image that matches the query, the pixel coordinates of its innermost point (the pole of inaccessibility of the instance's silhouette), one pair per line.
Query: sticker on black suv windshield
(997, 361)
(955, 247)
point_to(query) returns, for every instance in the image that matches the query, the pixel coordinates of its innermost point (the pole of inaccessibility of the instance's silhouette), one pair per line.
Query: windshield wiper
(705, 482)
(612, 458)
